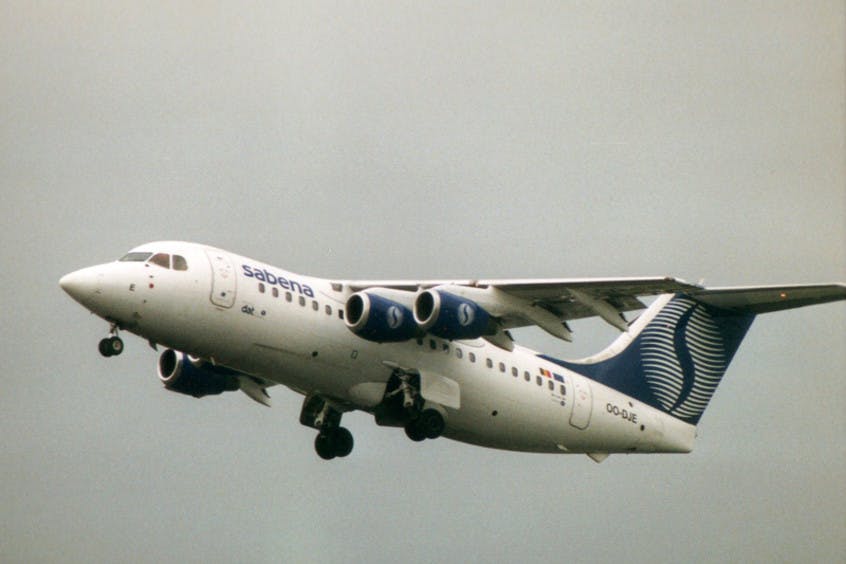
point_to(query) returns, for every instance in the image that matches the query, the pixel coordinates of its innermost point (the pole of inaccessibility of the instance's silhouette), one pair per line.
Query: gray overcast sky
(418, 140)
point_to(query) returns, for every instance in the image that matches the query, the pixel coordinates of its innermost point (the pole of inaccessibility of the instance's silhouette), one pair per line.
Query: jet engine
(452, 317)
(380, 315)
(194, 377)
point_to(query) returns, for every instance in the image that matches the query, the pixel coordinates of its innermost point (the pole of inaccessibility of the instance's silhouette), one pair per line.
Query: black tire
(414, 432)
(431, 423)
(325, 447)
(343, 441)
(105, 348)
(115, 346)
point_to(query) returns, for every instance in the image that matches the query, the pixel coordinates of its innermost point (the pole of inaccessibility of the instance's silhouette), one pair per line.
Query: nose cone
(80, 285)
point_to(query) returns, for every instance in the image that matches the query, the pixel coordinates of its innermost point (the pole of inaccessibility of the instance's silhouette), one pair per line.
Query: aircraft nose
(80, 284)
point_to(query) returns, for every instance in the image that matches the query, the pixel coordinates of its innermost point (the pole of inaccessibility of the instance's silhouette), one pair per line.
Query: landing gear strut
(111, 346)
(403, 406)
(332, 440)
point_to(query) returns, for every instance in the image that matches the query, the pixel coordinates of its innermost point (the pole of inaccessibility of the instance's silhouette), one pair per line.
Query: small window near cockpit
(179, 263)
(161, 259)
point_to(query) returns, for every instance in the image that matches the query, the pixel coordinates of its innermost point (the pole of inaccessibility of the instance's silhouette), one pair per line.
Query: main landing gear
(111, 346)
(403, 406)
(332, 440)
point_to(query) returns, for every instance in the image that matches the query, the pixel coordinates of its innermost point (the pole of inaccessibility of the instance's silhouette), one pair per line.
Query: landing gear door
(440, 389)
(223, 279)
(582, 403)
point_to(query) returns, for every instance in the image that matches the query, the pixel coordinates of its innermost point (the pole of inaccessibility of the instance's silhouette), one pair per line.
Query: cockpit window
(179, 263)
(135, 257)
(161, 259)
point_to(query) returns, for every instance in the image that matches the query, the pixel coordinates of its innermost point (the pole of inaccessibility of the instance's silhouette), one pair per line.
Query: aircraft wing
(565, 299)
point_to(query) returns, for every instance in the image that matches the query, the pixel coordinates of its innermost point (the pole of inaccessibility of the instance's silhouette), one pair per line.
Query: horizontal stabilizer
(765, 299)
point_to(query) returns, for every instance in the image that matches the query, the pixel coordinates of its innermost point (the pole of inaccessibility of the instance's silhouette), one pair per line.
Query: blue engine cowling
(377, 318)
(180, 373)
(452, 317)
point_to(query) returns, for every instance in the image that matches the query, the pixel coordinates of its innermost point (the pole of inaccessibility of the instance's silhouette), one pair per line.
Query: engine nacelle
(374, 315)
(452, 317)
(194, 377)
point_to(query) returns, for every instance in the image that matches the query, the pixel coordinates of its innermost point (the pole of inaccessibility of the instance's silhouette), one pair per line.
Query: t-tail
(675, 354)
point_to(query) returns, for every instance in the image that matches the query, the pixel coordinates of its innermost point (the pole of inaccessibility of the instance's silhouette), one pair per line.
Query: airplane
(435, 357)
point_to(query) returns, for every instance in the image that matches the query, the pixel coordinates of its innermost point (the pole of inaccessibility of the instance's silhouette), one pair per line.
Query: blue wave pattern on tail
(677, 361)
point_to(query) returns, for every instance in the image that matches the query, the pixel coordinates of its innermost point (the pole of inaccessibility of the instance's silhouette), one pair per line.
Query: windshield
(135, 257)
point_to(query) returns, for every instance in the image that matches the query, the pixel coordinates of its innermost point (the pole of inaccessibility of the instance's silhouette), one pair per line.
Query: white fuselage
(288, 329)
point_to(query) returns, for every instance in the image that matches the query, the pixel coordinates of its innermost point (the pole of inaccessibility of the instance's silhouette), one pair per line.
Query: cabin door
(223, 279)
(582, 403)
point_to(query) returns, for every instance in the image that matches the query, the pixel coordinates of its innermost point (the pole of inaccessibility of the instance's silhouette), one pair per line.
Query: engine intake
(452, 317)
(378, 318)
(194, 377)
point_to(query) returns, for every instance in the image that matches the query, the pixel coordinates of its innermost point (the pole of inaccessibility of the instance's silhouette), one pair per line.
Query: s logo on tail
(684, 357)
(677, 353)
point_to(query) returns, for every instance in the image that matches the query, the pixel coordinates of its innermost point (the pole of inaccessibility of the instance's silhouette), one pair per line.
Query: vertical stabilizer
(673, 357)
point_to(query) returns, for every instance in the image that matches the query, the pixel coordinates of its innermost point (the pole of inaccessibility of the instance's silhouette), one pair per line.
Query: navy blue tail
(678, 352)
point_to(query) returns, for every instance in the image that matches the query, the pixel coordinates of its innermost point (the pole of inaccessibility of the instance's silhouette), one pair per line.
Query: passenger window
(314, 305)
(179, 263)
(502, 367)
(161, 259)
(288, 296)
(432, 344)
(551, 385)
(488, 363)
(539, 380)
(458, 352)
(446, 348)
(302, 301)
(340, 314)
(328, 309)
(514, 371)
(563, 390)
(261, 287)
(526, 375)
(275, 292)
(472, 357)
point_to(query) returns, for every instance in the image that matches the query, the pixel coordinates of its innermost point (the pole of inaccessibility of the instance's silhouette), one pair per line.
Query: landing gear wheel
(414, 432)
(333, 442)
(110, 346)
(431, 423)
(324, 446)
(115, 346)
(343, 440)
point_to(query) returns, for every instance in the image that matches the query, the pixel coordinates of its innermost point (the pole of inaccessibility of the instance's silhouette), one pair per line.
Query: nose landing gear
(111, 346)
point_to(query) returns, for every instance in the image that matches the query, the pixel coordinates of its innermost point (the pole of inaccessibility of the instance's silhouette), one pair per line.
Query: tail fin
(675, 354)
